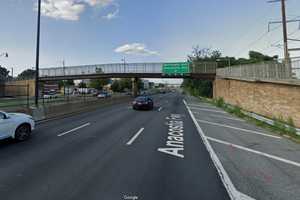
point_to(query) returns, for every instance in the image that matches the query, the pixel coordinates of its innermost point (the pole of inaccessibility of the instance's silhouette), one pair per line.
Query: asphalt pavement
(259, 163)
(113, 153)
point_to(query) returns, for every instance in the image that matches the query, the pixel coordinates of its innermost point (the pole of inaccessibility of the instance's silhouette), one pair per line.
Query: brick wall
(264, 98)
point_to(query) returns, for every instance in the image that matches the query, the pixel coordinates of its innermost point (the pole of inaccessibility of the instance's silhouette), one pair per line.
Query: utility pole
(285, 35)
(285, 39)
(37, 61)
(124, 60)
(64, 81)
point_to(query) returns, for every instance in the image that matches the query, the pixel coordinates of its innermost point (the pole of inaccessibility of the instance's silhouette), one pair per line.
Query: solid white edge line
(236, 128)
(74, 129)
(232, 191)
(134, 137)
(255, 151)
(230, 118)
(200, 106)
(208, 110)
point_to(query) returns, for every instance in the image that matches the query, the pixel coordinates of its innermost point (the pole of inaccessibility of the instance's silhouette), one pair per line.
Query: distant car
(143, 103)
(103, 95)
(50, 95)
(16, 125)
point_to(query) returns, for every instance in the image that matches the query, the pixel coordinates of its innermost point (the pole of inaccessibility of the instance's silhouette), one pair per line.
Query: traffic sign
(179, 68)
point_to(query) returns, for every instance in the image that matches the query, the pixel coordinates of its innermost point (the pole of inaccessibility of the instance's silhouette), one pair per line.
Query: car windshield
(141, 99)
(150, 100)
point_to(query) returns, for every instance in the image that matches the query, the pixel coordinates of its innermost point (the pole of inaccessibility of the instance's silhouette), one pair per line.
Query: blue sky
(105, 31)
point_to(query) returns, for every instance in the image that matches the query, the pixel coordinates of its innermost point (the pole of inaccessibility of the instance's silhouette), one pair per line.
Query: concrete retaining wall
(279, 100)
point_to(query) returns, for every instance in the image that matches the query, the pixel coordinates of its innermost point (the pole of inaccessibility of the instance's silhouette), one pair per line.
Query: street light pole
(37, 56)
(124, 60)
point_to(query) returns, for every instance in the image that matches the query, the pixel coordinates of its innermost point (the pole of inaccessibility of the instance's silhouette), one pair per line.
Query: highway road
(113, 153)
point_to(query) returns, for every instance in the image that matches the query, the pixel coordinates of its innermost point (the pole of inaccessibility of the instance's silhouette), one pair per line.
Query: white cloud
(71, 9)
(62, 9)
(135, 49)
(101, 3)
(113, 14)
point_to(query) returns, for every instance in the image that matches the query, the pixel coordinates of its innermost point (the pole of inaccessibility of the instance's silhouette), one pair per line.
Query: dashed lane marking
(74, 129)
(134, 137)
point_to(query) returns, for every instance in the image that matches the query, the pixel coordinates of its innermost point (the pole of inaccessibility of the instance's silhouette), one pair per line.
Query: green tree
(125, 83)
(201, 87)
(99, 83)
(115, 86)
(255, 57)
(4, 73)
(70, 82)
(27, 74)
(82, 85)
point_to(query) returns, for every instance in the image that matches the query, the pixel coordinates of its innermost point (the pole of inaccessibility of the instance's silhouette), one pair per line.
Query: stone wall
(270, 99)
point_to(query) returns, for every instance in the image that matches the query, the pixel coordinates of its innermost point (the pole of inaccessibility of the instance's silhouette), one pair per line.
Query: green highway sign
(179, 68)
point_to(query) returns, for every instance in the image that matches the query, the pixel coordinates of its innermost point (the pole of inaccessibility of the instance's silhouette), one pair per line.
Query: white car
(103, 95)
(16, 125)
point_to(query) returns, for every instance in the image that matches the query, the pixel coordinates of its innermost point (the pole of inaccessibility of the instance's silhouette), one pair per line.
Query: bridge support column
(135, 87)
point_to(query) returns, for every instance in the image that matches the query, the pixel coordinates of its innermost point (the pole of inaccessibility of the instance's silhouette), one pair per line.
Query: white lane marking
(240, 129)
(256, 152)
(220, 116)
(231, 189)
(74, 129)
(134, 137)
(160, 108)
(175, 140)
(209, 110)
(200, 106)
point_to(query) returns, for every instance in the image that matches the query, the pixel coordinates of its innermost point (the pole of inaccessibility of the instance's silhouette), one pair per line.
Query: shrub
(220, 102)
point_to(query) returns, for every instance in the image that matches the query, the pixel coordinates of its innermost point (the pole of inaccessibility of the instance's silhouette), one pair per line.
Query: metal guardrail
(263, 71)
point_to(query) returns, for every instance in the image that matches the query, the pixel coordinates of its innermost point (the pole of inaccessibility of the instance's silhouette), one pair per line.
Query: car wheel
(23, 132)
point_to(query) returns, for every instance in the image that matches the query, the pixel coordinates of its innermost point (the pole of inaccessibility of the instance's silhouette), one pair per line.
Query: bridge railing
(102, 69)
(129, 68)
(203, 67)
(263, 71)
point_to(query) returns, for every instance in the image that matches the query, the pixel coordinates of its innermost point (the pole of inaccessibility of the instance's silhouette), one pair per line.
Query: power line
(258, 39)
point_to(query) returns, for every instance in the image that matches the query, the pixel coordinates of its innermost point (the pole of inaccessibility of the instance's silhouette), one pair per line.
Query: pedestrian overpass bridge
(203, 70)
